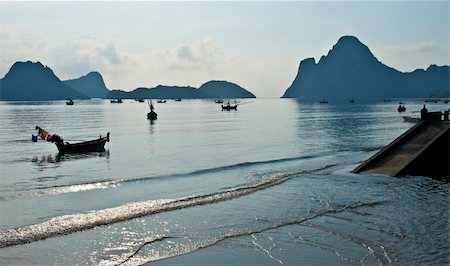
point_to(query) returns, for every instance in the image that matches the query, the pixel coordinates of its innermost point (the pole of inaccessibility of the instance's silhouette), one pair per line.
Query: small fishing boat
(410, 119)
(69, 102)
(96, 145)
(152, 115)
(219, 101)
(178, 100)
(161, 101)
(116, 101)
(140, 100)
(351, 100)
(323, 101)
(229, 107)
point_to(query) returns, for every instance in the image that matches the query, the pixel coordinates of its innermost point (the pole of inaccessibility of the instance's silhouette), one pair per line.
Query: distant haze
(257, 45)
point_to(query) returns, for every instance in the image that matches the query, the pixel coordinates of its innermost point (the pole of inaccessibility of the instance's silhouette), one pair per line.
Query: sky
(257, 45)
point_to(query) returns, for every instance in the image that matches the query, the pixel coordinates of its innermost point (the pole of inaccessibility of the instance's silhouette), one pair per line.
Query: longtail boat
(82, 147)
(229, 107)
(96, 145)
(152, 115)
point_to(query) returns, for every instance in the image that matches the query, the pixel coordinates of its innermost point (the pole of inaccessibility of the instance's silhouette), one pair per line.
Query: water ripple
(77, 222)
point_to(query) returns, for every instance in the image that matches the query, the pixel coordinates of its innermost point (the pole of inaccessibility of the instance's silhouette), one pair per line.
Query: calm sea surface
(267, 184)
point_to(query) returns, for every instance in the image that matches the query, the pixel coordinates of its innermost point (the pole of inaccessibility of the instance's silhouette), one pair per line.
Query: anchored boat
(152, 115)
(96, 145)
(229, 107)
(82, 147)
(410, 119)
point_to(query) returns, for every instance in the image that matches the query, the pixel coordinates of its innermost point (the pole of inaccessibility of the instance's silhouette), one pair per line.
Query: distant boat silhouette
(351, 100)
(140, 100)
(229, 107)
(69, 102)
(116, 101)
(432, 100)
(323, 101)
(219, 101)
(178, 100)
(161, 101)
(152, 115)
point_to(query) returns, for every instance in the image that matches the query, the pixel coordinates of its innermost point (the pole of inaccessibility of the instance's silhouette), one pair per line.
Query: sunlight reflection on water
(195, 151)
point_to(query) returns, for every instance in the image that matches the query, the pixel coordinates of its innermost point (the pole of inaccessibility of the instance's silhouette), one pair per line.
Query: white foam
(76, 222)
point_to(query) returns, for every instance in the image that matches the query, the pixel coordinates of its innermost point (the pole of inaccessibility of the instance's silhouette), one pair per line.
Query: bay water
(268, 184)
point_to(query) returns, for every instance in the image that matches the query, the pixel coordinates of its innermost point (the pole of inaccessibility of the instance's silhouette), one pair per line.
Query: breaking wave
(76, 222)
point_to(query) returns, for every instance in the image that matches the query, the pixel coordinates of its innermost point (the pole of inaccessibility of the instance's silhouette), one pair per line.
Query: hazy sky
(257, 45)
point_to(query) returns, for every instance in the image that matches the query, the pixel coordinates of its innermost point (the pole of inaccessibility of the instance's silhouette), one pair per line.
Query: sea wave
(77, 222)
(112, 183)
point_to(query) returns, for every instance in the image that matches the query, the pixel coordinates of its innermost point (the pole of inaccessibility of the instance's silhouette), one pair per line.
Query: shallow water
(267, 184)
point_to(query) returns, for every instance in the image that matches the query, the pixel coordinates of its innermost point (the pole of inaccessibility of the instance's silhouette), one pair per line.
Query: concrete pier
(423, 150)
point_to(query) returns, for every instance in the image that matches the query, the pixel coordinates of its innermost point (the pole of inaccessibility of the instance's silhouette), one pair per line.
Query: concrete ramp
(422, 150)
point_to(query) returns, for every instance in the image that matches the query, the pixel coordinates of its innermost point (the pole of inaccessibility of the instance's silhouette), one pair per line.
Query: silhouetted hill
(212, 89)
(432, 82)
(91, 85)
(159, 92)
(28, 81)
(224, 89)
(350, 70)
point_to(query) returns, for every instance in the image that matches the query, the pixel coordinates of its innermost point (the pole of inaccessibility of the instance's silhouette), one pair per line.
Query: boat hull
(152, 116)
(410, 119)
(97, 145)
(228, 108)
